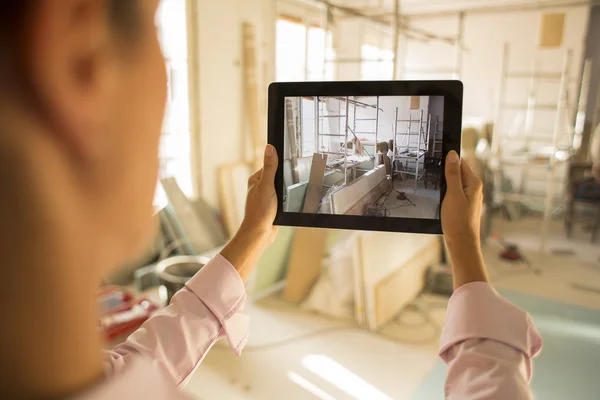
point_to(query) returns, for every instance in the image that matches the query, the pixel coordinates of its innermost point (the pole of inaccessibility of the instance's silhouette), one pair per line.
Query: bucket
(174, 272)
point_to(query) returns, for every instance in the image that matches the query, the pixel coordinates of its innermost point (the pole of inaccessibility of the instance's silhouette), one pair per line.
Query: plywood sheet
(381, 261)
(211, 221)
(415, 102)
(315, 183)
(197, 234)
(393, 293)
(295, 197)
(304, 268)
(551, 30)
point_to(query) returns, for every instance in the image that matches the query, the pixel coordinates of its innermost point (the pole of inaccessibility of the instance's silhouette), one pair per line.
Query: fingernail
(269, 151)
(453, 157)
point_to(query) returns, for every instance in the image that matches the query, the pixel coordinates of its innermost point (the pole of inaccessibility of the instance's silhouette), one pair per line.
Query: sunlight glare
(342, 378)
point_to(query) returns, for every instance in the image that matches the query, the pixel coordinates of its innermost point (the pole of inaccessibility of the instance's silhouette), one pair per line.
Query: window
(175, 155)
(300, 52)
(308, 127)
(318, 69)
(290, 54)
(377, 64)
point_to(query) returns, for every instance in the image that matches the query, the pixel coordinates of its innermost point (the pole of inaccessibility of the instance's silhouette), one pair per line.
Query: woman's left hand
(257, 231)
(261, 202)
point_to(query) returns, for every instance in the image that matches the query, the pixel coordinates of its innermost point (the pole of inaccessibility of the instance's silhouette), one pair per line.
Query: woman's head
(81, 111)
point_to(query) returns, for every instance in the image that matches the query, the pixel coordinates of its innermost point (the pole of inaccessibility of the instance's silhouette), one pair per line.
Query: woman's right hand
(461, 216)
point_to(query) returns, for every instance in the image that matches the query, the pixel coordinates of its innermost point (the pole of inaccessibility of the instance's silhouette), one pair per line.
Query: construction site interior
(358, 315)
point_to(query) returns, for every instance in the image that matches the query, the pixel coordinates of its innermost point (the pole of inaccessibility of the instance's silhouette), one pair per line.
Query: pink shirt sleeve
(178, 337)
(488, 344)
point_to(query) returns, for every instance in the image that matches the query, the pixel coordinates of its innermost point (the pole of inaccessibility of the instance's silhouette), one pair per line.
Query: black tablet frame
(453, 99)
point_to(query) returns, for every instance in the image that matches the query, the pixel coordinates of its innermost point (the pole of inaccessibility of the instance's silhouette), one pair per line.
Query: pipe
(346, 144)
(397, 31)
(346, 99)
(382, 21)
(376, 129)
(489, 9)
(459, 46)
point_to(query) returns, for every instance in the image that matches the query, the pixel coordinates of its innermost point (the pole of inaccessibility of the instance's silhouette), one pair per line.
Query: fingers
(453, 173)
(471, 183)
(270, 166)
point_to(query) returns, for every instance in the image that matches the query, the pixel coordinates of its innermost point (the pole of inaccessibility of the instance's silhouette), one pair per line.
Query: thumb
(270, 166)
(453, 173)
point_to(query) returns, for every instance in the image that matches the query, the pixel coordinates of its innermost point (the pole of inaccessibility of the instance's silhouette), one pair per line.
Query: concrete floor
(424, 201)
(343, 362)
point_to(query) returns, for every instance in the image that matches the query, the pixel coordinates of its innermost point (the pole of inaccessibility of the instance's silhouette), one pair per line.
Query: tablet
(363, 155)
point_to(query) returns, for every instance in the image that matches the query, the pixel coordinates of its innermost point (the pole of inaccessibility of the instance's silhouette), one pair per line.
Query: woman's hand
(257, 231)
(461, 219)
(261, 202)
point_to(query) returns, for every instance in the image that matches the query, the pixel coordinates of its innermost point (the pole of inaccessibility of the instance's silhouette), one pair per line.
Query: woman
(81, 107)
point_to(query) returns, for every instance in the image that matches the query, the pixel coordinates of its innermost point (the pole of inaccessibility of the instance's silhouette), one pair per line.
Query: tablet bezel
(453, 98)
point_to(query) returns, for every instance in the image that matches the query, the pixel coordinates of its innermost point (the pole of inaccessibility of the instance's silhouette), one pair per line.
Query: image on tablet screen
(365, 156)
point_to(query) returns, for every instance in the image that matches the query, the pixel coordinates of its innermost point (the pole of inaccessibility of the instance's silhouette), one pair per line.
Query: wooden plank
(315, 183)
(388, 164)
(304, 267)
(360, 315)
(415, 102)
(292, 19)
(233, 188)
(551, 30)
(251, 95)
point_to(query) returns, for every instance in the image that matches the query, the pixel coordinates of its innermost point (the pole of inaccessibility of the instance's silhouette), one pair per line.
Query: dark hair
(124, 17)
(123, 14)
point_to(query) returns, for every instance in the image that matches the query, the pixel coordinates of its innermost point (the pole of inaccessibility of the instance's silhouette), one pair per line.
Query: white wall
(484, 37)
(224, 136)
(387, 115)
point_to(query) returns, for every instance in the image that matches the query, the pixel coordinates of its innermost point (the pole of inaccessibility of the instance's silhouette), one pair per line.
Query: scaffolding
(528, 160)
(348, 132)
(436, 138)
(397, 28)
(409, 151)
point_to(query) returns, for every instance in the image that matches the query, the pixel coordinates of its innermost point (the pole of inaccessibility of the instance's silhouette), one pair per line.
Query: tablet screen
(374, 156)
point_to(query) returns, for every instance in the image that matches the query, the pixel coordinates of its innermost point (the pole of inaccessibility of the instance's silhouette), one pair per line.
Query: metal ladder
(563, 129)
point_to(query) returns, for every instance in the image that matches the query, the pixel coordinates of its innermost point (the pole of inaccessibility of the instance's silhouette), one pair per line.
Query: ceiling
(412, 7)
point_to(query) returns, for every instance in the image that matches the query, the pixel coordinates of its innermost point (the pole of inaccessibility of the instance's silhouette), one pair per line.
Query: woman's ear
(70, 70)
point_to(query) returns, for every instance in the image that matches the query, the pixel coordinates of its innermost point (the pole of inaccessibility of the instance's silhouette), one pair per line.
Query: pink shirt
(487, 342)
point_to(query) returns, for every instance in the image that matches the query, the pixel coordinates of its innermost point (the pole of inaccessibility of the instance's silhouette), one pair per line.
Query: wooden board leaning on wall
(233, 188)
